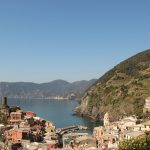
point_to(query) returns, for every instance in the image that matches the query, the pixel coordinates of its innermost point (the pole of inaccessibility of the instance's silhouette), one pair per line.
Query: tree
(140, 143)
(3, 118)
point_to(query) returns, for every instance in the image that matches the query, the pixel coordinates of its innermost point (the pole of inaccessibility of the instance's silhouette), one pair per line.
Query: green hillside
(121, 91)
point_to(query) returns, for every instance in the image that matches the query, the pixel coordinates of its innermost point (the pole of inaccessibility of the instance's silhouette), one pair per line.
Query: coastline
(23, 98)
(91, 117)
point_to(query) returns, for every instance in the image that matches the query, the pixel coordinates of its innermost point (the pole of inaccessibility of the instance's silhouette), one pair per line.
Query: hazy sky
(69, 39)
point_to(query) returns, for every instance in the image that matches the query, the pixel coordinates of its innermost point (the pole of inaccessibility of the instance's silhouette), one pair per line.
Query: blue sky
(41, 41)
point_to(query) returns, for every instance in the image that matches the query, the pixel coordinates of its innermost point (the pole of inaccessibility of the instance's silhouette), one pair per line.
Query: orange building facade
(14, 135)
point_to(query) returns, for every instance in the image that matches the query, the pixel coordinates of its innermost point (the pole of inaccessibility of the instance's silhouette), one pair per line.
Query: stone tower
(4, 108)
(106, 119)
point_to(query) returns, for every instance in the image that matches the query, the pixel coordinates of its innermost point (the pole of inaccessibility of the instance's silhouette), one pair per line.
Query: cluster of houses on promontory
(26, 131)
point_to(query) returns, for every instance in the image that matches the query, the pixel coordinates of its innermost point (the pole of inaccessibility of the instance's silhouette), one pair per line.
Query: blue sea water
(58, 111)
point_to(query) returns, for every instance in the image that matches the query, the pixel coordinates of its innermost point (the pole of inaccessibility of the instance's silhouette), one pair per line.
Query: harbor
(25, 129)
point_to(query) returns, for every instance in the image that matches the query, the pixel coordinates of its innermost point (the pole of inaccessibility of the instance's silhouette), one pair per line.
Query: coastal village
(26, 131)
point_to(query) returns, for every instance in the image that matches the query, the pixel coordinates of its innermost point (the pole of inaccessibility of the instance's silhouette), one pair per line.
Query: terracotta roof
(30, 113)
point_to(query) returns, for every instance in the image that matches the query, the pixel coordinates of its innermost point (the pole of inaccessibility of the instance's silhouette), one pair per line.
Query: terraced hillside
(121, 91)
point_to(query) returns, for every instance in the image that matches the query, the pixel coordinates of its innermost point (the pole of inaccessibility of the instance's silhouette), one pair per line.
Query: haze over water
(58, 111)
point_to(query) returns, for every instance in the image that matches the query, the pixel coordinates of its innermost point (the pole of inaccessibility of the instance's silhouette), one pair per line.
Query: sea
(60, 112)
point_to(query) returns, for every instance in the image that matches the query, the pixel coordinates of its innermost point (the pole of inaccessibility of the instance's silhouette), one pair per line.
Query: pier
(61, 131)
(69, 129)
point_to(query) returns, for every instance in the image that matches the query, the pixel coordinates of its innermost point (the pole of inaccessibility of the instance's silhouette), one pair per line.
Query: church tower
(106, 119)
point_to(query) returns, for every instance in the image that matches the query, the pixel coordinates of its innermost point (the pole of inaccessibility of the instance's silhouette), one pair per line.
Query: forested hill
(121, 91)
(44, 90)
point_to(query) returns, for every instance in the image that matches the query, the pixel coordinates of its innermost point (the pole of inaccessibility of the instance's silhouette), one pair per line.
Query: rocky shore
(92, 117)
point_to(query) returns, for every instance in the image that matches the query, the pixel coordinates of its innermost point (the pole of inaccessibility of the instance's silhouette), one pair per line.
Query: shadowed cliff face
(121, 91)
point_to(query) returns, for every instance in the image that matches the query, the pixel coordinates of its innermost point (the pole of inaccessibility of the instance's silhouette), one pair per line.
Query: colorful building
(147, 105)
(29, 113)
(15, 117)
(14, 135)
(98, 132)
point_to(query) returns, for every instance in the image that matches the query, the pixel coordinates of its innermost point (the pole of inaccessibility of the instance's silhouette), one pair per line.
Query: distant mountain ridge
(54, 88)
